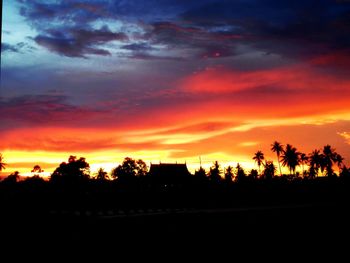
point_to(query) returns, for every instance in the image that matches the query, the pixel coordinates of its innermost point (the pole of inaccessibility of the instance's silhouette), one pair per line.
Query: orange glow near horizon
(237, 144)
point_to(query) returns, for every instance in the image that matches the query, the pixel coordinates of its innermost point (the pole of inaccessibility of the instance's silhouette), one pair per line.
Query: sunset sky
(167, 80)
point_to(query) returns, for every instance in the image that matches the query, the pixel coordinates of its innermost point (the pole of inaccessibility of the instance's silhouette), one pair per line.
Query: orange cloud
(346, 136)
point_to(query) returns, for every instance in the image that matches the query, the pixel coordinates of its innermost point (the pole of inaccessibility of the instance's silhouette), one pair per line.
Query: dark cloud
(17, 48)
(77, 12)
(146, 56)
(209, 29)
(218, 13)
(152, 10)
(73, 12)
(7, 47)
(60, 26)
(63, 26)
(79, 42)
(143, 51)
(202, 42)
(289, 27)
(138, 47)
(41, 109)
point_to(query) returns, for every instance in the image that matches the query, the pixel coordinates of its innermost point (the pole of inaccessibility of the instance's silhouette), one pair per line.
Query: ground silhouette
(133, 205)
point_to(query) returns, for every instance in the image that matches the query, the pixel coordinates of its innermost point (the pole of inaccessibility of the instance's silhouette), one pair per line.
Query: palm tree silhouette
(303, 159)
(291, 158)
(259, 157)
(339, 161)
(278, 149)
(330, 158)
(2, 164)
(315, 162)
(240, 173)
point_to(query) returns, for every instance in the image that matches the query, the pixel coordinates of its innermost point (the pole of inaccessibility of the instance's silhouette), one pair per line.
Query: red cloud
(218, 80)
(338, 60)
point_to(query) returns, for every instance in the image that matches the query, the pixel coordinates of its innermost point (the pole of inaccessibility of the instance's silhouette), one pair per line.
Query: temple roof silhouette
(169, 172)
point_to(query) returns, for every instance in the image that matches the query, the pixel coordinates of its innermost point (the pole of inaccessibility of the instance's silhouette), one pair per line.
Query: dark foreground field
(300, 221)
(313, 230)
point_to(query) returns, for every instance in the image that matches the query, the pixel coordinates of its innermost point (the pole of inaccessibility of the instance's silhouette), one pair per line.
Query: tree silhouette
(37, 169)
(240, 173)
(141, 168)
(258, 158)
(269, 170)
(2, 164)
(344, 172)
(12, 178)
(330, 158)
(278, 149)
(35, 180)
(74, 172)
(101, 175)
(129, 170)
(339, 161)
(315, 163)
(303, 160)
(228, 174)
(200, 174)
(253, 174)
(290, 158)
(215, 172)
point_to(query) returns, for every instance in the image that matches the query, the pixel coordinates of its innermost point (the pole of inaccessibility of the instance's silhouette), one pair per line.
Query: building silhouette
(169, 173)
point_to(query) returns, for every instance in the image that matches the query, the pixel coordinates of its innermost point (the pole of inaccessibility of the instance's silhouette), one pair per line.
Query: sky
(169, 81)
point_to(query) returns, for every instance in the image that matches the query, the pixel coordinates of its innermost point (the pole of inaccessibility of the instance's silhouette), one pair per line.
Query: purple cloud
(79, 42)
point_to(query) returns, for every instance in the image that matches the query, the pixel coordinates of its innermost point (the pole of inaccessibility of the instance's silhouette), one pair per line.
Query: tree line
(77, 170)
(318, 160)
